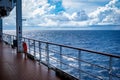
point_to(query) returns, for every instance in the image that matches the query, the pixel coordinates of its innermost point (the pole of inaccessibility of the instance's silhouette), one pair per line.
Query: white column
(19, 24)
(1, 29)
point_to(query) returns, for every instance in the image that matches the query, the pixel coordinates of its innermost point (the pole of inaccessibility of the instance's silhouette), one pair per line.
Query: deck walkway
(14, 66)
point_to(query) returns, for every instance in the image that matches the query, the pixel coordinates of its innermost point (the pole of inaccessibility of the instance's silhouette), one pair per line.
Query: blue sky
(63, 13)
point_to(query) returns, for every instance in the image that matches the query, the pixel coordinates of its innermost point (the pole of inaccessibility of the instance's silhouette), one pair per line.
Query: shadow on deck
(13, 66)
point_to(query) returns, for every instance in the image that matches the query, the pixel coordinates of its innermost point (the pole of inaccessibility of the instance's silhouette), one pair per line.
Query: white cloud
(109, 14)
(37, 13)
(31, 10)
(30, 7)
(87, 5)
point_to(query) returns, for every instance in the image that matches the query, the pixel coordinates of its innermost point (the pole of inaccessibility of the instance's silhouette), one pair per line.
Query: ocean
(107, 41)
(99, 40)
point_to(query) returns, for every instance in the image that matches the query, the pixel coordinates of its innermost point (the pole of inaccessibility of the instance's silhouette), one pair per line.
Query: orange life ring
(24, 47)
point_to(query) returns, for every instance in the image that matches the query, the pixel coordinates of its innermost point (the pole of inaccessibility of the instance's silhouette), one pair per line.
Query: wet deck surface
(13, 66)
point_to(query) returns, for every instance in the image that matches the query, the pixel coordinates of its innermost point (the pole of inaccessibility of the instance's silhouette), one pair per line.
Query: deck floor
(13, 66)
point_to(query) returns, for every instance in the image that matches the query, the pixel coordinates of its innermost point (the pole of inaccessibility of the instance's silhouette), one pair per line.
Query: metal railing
(80, 63)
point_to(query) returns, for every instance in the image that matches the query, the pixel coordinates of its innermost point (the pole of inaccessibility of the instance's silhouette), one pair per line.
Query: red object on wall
(24, 47)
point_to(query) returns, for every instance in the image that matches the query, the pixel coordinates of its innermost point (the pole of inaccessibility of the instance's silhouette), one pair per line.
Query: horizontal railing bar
(94, 64)
(54, 52)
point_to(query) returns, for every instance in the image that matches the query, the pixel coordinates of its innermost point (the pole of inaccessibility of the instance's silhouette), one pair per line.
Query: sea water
(98, 40)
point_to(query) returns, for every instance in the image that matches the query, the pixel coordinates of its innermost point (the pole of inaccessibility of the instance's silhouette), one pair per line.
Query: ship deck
(13, 66)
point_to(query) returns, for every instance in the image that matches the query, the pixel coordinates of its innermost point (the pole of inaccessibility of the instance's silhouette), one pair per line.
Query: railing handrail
(76, 48)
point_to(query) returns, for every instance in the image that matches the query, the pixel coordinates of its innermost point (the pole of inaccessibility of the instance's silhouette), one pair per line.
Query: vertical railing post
(47, 55)
(79, 63)
(24, 39)
(3, 37)
(34, 49)
(13, 38)
(40, 51)
(110, 68)
(7, 38)
(10, 40)
(1, 29)
(60, 57)
(29, 45)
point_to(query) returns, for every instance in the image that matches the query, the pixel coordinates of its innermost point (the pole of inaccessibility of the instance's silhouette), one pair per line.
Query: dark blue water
(103, 41)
